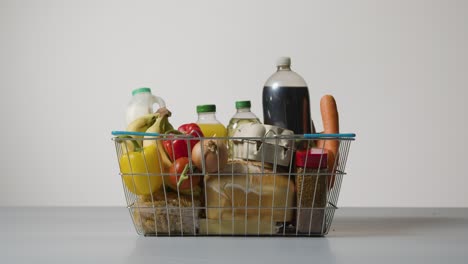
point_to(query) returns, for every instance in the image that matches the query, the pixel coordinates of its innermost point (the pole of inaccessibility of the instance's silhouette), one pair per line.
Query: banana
(140, 124)
(126, 145)
(160, 126)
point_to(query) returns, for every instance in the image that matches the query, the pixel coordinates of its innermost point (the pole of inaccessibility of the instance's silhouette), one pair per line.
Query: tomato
(180, 175)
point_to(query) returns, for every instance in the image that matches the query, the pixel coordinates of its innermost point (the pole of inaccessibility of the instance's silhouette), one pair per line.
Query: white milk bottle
(142, 103)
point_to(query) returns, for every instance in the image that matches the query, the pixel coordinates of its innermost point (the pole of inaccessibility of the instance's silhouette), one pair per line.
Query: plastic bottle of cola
(286, 100)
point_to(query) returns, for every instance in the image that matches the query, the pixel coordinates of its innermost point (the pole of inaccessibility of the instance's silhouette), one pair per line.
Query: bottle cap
(283, 61)
(141, 90)
(206, 108)
(242, 104)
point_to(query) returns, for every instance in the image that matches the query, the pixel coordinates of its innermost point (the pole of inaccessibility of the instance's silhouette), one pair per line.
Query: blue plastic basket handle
(310, 136)
(130, 133)
(342, 135)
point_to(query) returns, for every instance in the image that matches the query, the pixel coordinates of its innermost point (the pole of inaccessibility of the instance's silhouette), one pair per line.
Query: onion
(212, 150)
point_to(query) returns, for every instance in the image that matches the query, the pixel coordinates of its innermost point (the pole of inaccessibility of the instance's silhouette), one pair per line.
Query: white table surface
(358, 235)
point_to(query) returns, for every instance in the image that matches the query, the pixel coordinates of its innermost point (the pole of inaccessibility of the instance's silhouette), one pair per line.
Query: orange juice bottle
(208, 123)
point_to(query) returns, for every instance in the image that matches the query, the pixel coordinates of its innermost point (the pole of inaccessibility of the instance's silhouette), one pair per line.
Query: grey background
(398, 70)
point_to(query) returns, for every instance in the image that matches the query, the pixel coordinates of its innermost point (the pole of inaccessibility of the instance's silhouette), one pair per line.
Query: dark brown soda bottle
(286, 100)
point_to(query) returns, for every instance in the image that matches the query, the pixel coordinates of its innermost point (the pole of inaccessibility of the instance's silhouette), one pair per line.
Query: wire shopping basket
(269, 186)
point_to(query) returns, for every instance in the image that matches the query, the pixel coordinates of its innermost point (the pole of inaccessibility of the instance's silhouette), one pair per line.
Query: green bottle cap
(242, 104)
(141, 90)
(206, 108)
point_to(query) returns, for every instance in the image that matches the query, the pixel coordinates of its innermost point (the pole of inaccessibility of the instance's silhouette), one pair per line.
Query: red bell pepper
(179, 147)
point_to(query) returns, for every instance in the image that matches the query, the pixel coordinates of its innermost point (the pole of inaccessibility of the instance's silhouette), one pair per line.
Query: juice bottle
(208, 123)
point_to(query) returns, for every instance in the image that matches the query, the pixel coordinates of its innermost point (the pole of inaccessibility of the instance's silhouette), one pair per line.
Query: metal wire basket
(265, 189)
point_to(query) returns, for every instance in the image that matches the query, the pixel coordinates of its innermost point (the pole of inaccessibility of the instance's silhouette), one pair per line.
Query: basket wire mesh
(168, 211)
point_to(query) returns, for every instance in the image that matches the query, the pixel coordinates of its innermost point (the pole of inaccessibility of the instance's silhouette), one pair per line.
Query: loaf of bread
(245, 190)
(237, 227)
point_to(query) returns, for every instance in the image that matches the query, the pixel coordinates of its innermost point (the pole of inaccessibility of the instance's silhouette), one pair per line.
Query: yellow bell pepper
(141, 170)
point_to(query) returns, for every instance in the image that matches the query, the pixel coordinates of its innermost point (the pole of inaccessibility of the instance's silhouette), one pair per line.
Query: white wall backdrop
(398, 69)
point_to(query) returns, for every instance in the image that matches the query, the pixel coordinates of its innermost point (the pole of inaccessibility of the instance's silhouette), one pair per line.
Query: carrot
(330, 122)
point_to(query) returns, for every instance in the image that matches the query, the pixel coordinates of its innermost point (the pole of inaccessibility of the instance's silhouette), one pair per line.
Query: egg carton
(263, 143)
